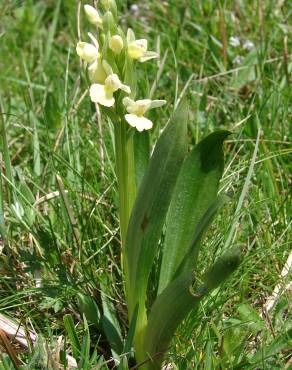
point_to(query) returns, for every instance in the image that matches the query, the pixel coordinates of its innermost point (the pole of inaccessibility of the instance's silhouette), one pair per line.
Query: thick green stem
(126, 182)
(125, 165)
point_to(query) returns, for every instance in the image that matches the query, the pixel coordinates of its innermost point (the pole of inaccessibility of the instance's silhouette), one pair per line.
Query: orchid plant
(173, 192)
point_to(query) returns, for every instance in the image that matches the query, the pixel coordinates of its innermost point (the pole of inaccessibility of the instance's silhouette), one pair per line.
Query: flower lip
(101, 95)
(139, 122)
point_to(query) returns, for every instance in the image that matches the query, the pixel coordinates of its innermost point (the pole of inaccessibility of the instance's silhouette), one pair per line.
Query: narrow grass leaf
(73, 337)
(243, 194)
(111, 326)
(129, 341)
(36, 146)
(51, 33)
(84, 362)
(5, 150)
(280, 343)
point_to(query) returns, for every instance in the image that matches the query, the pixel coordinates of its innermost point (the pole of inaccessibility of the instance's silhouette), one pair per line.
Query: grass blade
(71, 332)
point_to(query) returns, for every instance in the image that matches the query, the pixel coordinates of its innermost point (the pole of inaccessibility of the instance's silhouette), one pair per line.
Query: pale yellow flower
(103, 94)
(86, 51)
(137, 109)
(137, 49)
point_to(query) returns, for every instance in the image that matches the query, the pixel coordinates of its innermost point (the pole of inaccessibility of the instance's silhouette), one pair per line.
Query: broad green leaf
(142, 154)
(152, 202)
(177, 300)
(189, 261)
(195, 191)
(26, 193)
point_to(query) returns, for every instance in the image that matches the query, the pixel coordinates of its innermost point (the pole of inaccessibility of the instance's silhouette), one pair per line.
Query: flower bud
(87, 52)
(116, 44)
(92, 15)
(109, 23)
(110, 5)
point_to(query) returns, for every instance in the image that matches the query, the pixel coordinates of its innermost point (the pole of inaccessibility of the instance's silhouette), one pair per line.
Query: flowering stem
(126, 179)
(125, 163)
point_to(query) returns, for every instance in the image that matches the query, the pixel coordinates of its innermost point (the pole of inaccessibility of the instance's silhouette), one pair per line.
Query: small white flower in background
(137, 49)
(93, 15)
(238, 59)
(137, 109)
(103, 94)
(116, 44)
(134, 9)
(234, 41)
(248, 45)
